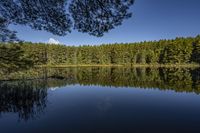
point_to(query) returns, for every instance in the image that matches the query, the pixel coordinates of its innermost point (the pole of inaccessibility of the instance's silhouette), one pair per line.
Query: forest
(26, 54)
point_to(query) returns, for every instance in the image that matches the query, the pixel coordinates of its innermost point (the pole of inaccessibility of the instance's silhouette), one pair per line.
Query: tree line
(175, 51)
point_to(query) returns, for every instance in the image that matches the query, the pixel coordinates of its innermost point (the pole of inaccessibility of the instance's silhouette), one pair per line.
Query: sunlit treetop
(59, 17)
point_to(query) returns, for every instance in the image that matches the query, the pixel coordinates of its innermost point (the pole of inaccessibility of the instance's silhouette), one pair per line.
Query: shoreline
(34, 73)
(121, 65)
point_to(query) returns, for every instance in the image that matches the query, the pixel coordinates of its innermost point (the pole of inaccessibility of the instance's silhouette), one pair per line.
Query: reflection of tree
(92, 16)
(177, 79)
(28, 99)
(196, 79)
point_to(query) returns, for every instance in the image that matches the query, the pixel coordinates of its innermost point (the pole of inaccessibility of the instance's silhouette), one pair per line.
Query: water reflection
(177, 79)
(28, 98)
(104, 105)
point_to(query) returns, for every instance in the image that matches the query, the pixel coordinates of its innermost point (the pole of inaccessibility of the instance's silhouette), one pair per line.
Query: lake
(100, 100)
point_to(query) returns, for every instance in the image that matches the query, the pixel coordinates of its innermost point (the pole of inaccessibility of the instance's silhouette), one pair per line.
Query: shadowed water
(100, 99)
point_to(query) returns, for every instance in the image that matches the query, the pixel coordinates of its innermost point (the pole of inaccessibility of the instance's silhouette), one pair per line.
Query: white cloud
(53, 41)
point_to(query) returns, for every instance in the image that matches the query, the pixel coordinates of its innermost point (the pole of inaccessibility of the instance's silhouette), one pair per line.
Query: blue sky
(152, 20)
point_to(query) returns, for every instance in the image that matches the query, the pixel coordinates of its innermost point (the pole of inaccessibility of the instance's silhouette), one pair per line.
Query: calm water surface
(102, 100)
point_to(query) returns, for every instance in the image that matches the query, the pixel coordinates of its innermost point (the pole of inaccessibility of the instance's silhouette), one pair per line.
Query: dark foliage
(92, 16)
(98, 16)
(6, 34)
(26, 98)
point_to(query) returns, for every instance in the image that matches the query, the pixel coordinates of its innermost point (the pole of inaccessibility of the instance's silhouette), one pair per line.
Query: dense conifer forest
(176, 51)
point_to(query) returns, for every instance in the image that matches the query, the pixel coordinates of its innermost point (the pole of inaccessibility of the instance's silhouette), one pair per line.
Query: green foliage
(12, 57)
(196, 50)
(177, 51)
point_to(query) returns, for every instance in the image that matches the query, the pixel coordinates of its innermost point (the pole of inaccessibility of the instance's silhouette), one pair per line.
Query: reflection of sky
(152, 20)
(53, 88)
(79, 108)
